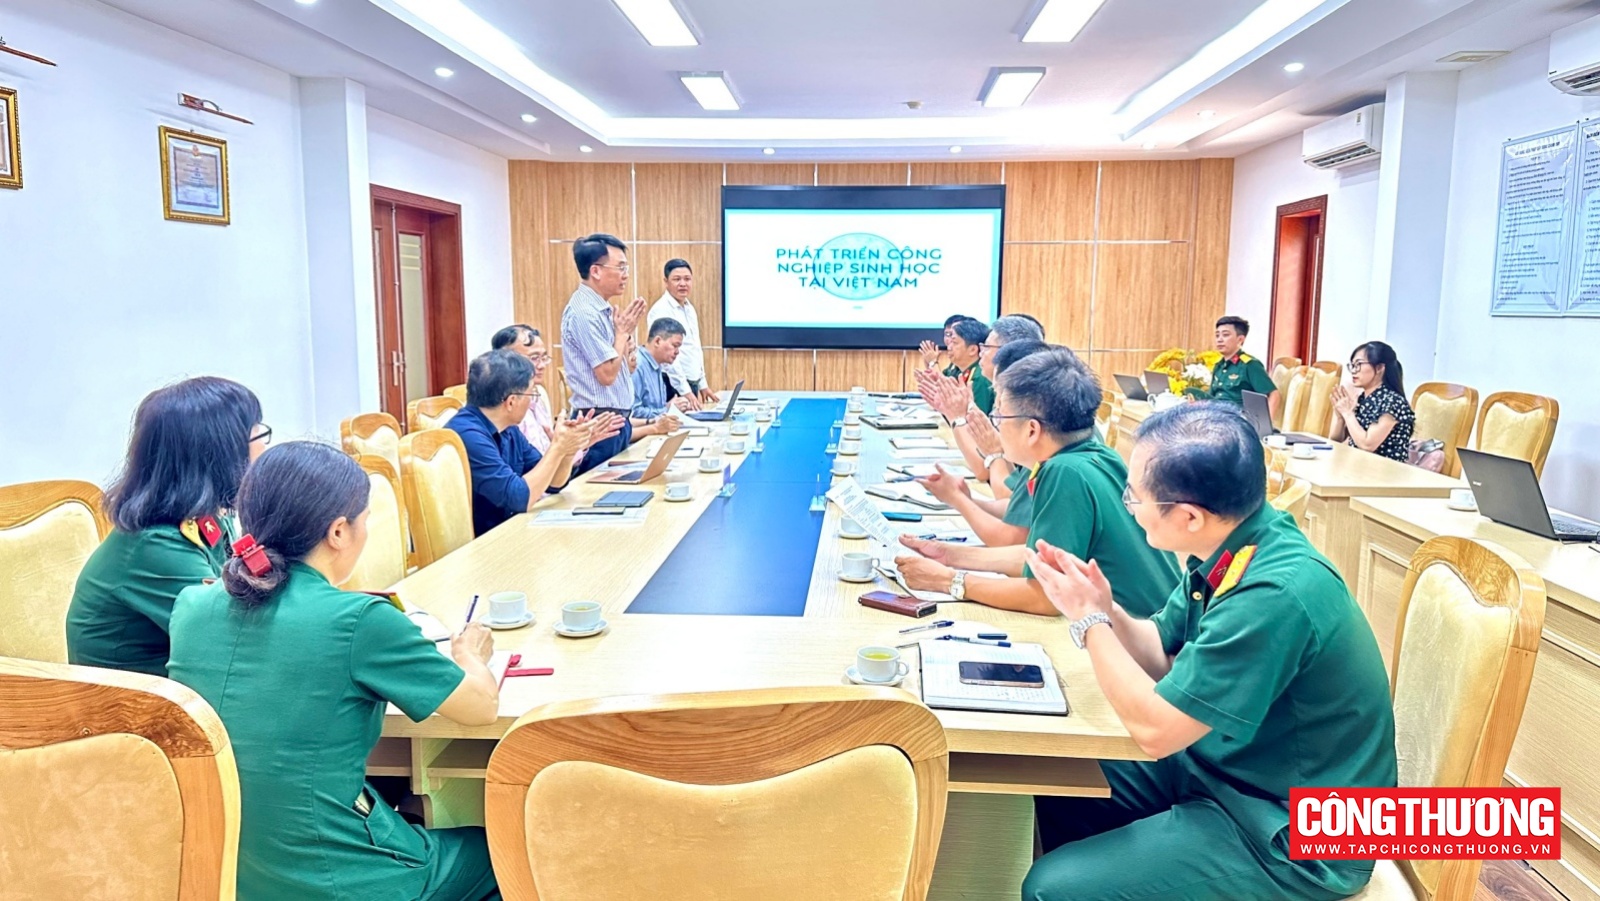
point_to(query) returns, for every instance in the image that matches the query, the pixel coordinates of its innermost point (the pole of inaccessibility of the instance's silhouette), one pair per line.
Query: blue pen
(998, 644)
(938, 625)
(472, 607)
(994, 636)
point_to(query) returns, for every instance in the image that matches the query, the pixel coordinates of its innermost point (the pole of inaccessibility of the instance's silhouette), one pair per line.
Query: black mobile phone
(1014, 675)
(599, 511)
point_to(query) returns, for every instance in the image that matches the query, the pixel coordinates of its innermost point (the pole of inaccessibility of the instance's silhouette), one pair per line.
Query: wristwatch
(958, 586)
(958, 422)
(989, 461)
(1080, 629)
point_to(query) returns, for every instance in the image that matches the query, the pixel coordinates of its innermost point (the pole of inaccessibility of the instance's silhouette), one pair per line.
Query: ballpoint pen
(998, 644)
(938, 625)
(472, 607)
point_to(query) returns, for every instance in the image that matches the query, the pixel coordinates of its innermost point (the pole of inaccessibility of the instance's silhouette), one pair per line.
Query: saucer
(514, 624)
(562, 630)
(863, 536)
(858, 580)
(848, 453)
(851, 674)
(843, 475)
(678, 500)
(1465, 508)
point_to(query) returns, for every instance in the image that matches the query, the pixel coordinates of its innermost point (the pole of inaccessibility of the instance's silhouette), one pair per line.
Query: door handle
(396, 366)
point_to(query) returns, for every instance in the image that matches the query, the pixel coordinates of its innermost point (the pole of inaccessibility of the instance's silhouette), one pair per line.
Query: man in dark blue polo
(508, 475)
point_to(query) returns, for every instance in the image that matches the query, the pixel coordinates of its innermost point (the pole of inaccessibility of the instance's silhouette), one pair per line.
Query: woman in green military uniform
(301, 672)
(170, 507)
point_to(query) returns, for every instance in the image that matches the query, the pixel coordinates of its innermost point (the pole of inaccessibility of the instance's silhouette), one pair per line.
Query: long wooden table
(1335, 477)
(1560, 731)
(998, 761)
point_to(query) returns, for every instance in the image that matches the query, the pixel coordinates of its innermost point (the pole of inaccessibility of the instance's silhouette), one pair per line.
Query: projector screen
(857, 268)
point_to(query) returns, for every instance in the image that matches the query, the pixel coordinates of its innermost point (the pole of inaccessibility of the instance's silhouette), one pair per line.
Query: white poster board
(1537, 188)
(1583, 293)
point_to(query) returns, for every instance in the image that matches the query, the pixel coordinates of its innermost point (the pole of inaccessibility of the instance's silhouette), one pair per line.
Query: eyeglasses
(265, 436)
(538, 358)
(1001, 416)
(1355, 366)
(987, 346)
(623, 268)
(1129, 501)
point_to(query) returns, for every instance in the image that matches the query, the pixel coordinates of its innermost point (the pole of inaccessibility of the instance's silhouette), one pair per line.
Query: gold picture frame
(194, 177)
(10, 141)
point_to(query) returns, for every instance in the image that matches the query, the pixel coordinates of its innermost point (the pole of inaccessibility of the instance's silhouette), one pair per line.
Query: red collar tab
(209, 530)
(1220, 570)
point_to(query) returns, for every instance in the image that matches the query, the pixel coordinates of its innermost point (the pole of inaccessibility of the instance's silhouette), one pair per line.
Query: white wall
(101, 299)
(408, 157)
(1508, 98)
(1270, 177)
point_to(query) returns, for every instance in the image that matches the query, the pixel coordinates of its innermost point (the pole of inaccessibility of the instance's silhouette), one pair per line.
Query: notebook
(942, 686)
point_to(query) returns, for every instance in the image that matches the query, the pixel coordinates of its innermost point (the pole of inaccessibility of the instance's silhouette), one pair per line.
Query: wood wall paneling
(529, 202)
(1050, 201)
(771, 370)
(585, 198)
(1147, 200)
(1213, 218)
(706, 262)
(1051, 282)
(861, 174)
(678, 201)
(875, 370)
(770, 173)
(1141, 295)
(955, 173)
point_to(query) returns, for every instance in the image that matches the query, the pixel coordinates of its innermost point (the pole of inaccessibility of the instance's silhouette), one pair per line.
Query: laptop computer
(1157, 382)
(1132, 388)
(1507, 491)
(722, 415)
(658, 465)
(1259, 412)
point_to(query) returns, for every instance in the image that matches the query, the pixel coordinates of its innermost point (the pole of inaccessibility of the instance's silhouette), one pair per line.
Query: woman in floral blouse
(1372, 412)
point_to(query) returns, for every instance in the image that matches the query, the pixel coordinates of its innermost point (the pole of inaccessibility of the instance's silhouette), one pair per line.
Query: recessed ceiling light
(710, 89)
(585, 148)
(1207, 114)
(1009, 87)
(1059, 21)
(305, 2)
(956, 149)
(1149, 145)
(442, 72)
(1293, 68)
(529, 118)
(659, 22)
(768, 151)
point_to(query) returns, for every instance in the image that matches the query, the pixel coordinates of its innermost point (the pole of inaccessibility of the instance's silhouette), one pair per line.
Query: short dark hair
(1205, 454)
(955, 319)
(288, 501)
(666, 271)
(1054, 387)
(1381, 354)
(1030, 319)
(497, 375)
(1239, 323)
(1016, 328)
(665, 327)
(970, 330)
(593, 250)
(1013, 351)
(512, 335)
(187, 454)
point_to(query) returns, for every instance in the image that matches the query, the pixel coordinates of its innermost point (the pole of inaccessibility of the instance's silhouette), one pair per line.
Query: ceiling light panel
(1060, 21)
(659, 22)
(710, 90)
(1008, 88)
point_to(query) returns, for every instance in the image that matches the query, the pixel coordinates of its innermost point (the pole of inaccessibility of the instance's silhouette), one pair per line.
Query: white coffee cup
(508, 607)
(849, 528)
(852, 417)
(734, 445)
(843, 467)
(764, 415)
(878, 663)
(850, 447)
(856, 405)
(739, 428)
(851, 432)
(1277, 441)
(678, 491)
(710, 463)
(1304, 451)
(856, 565)
(1463, 499)
(678, 474)
(581, 616)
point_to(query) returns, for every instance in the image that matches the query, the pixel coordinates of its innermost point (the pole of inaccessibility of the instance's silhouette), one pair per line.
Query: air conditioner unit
(1575, 58)
(1350, 139)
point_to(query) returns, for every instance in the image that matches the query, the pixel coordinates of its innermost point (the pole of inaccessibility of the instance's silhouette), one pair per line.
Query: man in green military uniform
(966, 352)
(1237, 371)
(1046, 422)
(1259, 674)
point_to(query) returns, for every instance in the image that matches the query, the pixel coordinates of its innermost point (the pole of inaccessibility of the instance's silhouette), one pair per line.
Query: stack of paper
(942, 685)
(631, 516)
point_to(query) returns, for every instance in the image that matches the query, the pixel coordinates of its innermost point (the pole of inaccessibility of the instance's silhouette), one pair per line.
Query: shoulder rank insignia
(1033, 478)
(1241, 562)
(1244, 357)
(203, 532)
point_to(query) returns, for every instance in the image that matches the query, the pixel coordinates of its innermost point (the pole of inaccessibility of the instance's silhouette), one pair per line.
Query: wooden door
(1297, 279)
(421, 311)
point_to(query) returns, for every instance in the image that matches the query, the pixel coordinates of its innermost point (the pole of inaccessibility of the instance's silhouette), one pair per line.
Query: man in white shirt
(688, 374)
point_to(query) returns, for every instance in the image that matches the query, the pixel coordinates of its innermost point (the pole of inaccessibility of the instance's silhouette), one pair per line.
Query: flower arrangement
(1186, 369)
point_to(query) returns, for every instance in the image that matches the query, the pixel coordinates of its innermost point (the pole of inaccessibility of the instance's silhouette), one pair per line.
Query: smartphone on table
(1009, 675)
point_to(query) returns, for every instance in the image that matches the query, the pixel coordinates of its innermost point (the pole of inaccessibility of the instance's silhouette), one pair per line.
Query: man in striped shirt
(595, 337)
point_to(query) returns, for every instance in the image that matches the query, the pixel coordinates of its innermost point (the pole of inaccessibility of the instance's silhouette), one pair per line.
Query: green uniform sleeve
(169, 564)
(1019, 508)
(1172, 620)
(982, 393)
(1249, 647)
(1064, 512)
(391, 660)
(1257, 378)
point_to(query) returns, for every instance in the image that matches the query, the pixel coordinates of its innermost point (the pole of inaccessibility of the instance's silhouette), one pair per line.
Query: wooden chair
(47, 532)
(1468, 632)
(1293, 497)
(438, 488)
(1113, 426)
(372, 433)
(384, 560)
(1513, 424)
(430, 413)
(1445, 411)
(458, 393)
(1282, 369)
(1319, 400)
(113, 785)
(1296, 398)
(1108, 402)
(829, 793)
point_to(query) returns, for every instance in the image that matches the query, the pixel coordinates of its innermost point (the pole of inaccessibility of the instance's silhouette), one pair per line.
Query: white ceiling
(827, 79)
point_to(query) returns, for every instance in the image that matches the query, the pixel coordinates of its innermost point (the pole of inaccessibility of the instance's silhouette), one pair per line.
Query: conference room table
(737, 592)
(1336, 476)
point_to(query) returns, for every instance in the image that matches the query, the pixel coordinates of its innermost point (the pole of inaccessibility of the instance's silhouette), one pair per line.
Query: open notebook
(942, 686)
(436, 632)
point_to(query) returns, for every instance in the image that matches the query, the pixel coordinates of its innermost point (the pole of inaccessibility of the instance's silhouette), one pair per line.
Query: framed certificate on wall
(194, 177)
(10, 141)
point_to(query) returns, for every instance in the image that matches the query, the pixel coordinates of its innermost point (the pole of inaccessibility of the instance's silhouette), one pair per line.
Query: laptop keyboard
(1576, 528)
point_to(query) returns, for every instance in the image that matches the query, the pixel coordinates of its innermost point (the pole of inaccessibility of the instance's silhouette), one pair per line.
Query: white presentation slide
(852, 269)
